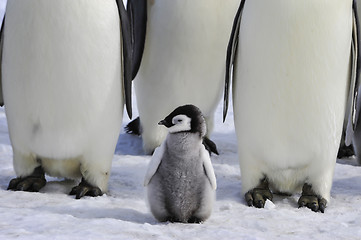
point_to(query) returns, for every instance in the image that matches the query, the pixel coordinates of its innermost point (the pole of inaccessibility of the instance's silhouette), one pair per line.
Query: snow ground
(123, 213)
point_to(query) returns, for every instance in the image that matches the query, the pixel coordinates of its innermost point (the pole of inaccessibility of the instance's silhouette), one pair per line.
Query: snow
(123, 213)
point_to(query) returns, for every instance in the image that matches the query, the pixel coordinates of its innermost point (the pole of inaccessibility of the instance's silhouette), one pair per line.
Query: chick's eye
(180, 120)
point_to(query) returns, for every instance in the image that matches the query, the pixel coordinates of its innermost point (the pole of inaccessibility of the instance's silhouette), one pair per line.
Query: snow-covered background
(123, 213)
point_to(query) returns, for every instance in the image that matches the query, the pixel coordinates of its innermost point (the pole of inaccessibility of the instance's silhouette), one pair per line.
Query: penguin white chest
(183, 60)
(290, 84)
(62, 75)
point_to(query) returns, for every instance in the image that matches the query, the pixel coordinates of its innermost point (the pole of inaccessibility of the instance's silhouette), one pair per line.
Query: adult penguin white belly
(183, 61)
(291, 78)
(63, 90)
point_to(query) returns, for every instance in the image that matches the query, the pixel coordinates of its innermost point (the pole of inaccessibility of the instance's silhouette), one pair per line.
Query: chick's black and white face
(187, 118)
(181, 123)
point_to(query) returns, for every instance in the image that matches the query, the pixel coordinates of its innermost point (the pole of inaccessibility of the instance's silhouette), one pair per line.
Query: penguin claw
(31, 183)
(322, 204)
(260, 203)
(310, 200)
(85, 189)
(13, 183)
(27, 184)
(249, 198)
(257, 197)
(301, 203)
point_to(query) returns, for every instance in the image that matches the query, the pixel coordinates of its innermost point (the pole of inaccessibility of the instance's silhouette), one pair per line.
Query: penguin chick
(180, 177)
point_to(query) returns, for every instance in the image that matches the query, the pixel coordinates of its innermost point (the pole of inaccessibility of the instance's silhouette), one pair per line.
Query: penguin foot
(311, 200)
(134, 127)
(85, 189)
(31, 183)
(345, 151)
(210, 146)
(257, 197)
(195, 220)
(177, 220)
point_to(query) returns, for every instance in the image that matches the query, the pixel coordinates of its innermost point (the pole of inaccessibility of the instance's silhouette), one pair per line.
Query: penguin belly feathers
(63, 90)
(291, 76)
(180, 179)
(183, 61)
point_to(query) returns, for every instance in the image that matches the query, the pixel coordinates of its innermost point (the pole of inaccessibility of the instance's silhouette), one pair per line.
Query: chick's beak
(163, 122)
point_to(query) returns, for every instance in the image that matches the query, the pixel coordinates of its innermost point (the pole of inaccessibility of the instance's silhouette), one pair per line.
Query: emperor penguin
(62, 68)
(183, 61)
(295, 66)
(180, 179)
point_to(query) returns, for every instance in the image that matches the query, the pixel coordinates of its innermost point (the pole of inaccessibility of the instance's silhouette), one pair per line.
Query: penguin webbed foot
(195, 220)
(85, 189)
(311, 200)
(134, 127)
(210, 146)
(32, 183)
(191, 220)
(257, 197)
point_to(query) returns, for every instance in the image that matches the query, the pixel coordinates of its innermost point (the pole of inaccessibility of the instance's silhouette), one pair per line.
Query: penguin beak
(163, 122)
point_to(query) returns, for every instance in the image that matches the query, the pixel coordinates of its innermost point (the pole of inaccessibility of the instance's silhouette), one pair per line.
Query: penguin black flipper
(137, 12)
(356, 62)
(127, 55)
(1, 55)
(355, 77)
(210, 146)
(231, 53)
